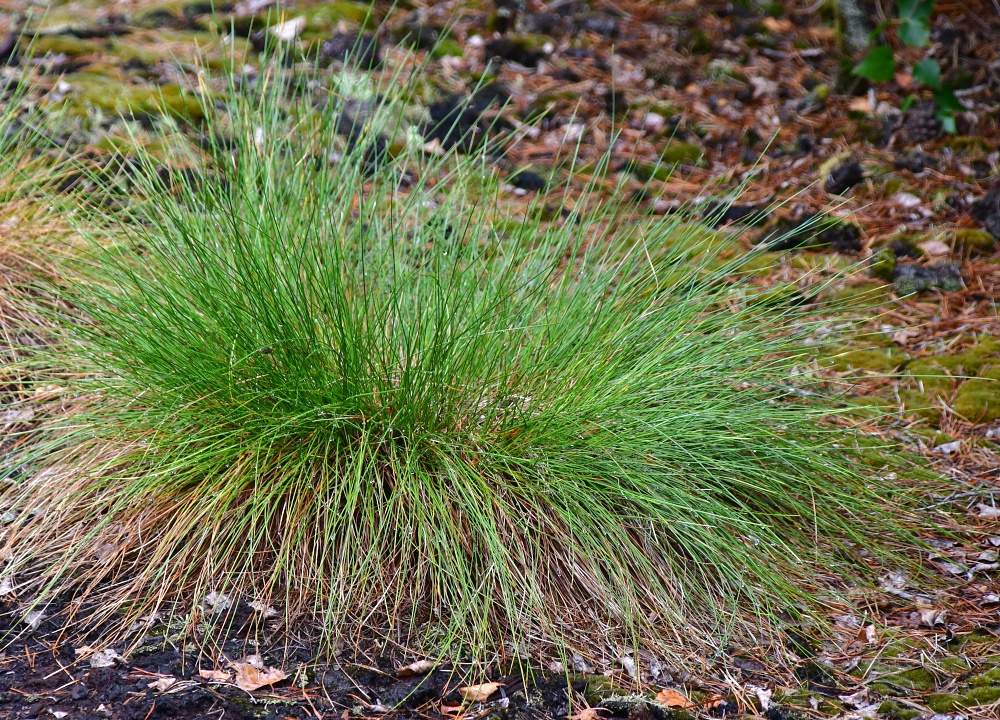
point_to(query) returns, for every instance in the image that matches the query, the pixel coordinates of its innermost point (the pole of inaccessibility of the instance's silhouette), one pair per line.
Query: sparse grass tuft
(335, 386)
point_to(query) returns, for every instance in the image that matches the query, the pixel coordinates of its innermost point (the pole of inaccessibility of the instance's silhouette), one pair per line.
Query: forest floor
(748, 95)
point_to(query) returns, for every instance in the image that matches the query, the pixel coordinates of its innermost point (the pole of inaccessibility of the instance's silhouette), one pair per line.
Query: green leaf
(913, 33)
(915, 22)
(879, 65)
(908, 102)
(947, 122)
(928, 72)
(947, 100)
(920, 10)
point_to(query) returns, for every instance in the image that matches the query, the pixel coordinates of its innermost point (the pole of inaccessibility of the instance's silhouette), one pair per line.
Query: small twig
(952, 498)
(319, 715)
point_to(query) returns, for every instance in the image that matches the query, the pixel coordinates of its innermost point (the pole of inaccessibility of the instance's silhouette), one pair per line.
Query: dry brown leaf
(105, 658)
(586, 714)
(777, 26)
(933, 616)
(250, 678)
(988, 512)
(420, 667)
(214, 675)
(163, 684)
(479, 693)
(821, 32)
(858, 699)
(860, 104)
(935, 248)
(673, 699)
(256, 661)
(712, 702)
(902, 337)
(868, 635)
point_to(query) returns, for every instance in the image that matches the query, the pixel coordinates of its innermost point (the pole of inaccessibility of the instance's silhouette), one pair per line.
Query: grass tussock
(318, 375)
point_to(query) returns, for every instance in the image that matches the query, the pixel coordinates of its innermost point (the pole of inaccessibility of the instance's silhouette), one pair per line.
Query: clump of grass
(340, 389)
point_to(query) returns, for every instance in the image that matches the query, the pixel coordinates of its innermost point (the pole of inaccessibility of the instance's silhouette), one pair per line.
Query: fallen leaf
(478, 693)
(988, 512)
(17, 416)
(434, 147)
(105, 658)
(762, 87)
(949, 448)
(288, 30)
(673, 698)
(255, 661)
(775, 25)
(6, 586)
(858, 699)
(580, 665)
(586, 714)
(214, 675)
(932, 616)
(250, 678)
(265, 610)
(952, 568)
(420, 667)
(218, 602)
(163, 684)
(712, 702)
(629, 665)
(902, 337)
(34, 619)
(910, 200)
(763, 696)
(870, 636)
(935, 248)
(860, 104)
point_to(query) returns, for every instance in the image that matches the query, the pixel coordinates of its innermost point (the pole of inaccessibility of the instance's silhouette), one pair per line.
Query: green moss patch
(939, 374)
(894, 711)
(918, 678)
(109, 93)
(974, 241)
(975, 697)
(883, 265)
(920, 405)
(978, 400)
(66, 45)
(326, 15)
(872, 359)
(966, 144)
(678, 153)
(944, 702)
(173, 46)
(986, 679)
